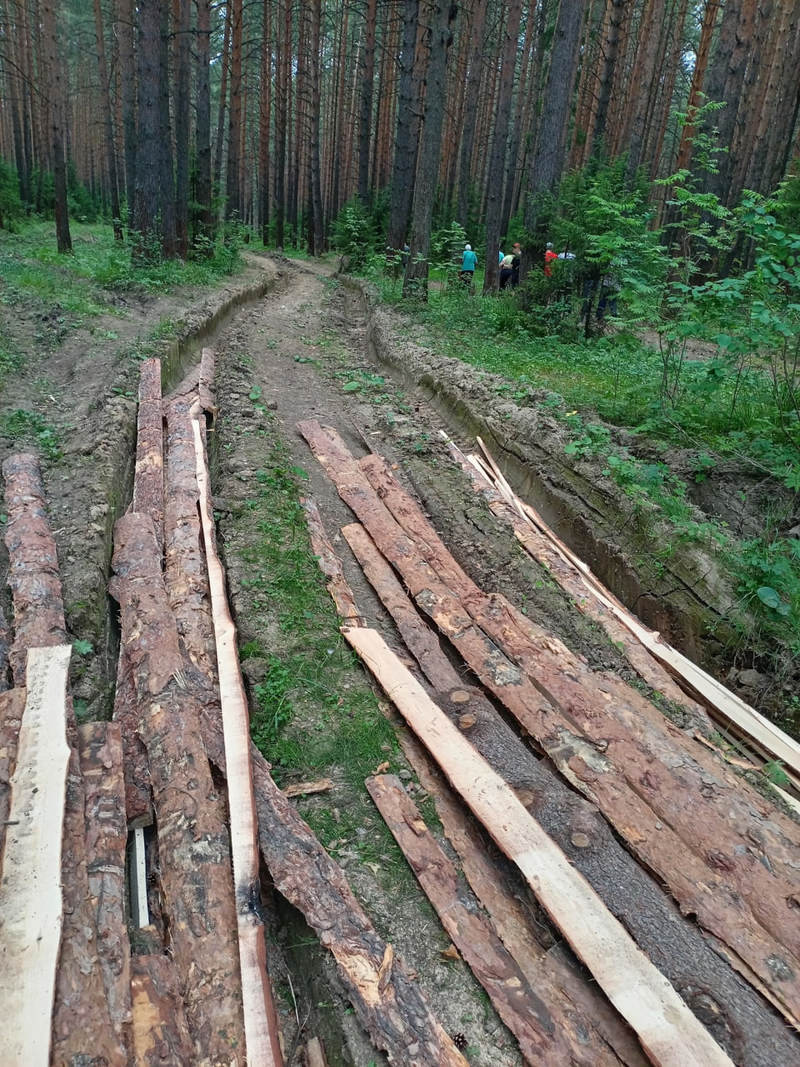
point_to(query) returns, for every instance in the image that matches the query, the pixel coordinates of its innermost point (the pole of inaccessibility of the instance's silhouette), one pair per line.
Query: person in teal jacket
(469, 262)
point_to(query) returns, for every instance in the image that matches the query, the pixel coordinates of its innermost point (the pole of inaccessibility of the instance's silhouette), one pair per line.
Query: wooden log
(12, 704)
(388, 1003)
(138, 797)
(677, 946)
(33, 573)
(329, 563)
(205, 385)
(31, 903)
(260, 1020)
(573, 582)
(680, 953)
(101, 757)
(669, 1032)
(541, 1037)
(185, 573)
(160, 1031)
(148, 482)
(192, 835)
(691, 827)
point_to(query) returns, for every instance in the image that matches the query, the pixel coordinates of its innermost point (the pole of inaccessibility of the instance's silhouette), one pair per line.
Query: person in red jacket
(549, 256)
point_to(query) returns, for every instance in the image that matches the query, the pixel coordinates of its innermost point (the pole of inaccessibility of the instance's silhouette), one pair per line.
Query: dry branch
(33, 563)
(31, 904)
(668, 1030)
(160, 1030)
(540, 1037)
(192, 835)
(260, 1022)
(101, 759)
(393, 1010)
(302, 789)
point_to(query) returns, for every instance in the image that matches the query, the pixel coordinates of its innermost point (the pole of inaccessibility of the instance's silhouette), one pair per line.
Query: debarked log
(193, 838)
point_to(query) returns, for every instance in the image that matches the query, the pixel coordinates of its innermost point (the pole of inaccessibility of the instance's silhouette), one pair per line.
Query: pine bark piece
(193, 838)
(669, 1032)
(260, 1019)
(315, 1054)
(390, 1007)
(12, 705)
(686, 822)
(101, 757)
(138, 798)
(329, 564)
(31, 901)
(160, 1031)
(33, 573)
(540, 1037)
(148, 483)
(732, 1000)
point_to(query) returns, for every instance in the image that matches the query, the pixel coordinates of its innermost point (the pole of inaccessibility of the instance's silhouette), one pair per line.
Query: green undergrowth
(82, 285)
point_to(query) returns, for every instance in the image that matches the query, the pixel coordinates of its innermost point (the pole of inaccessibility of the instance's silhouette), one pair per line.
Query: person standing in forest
(469, 262)
(516, 259)
(506, 271)
(549, 256)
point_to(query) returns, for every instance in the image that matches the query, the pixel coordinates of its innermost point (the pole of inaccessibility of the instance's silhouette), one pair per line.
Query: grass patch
(23, 426)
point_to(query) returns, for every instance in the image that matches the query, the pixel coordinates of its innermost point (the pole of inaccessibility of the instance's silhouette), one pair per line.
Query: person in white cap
(469, 262)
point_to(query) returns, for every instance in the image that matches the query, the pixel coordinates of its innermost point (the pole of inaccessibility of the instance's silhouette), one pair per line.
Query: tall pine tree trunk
(405, 155)
(166, 182)
(56, 96)
(203, 193)
(264, 114)
(367, 76)
(108, 123)
(219, 145)
(127, 77)
(475, 70)
(183, 28)
(233, 204)
(148, 165)
(497, 161)
(415, 282)
(316, 225)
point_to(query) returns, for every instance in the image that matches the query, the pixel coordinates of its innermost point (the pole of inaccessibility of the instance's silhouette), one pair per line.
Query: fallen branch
(669, 1032)
(31, 904)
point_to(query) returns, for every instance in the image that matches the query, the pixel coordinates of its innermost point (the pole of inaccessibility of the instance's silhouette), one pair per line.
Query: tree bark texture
(147, 197)
(233, 205)
(203, 193)
(12, 704)
(541, 1037)
(101, 757)
(182, 29)
(55, 89)
(502, 676)
(472, 92)
(160, 1029)
(127, 74)
(192, 835)
(405, 153)
(111, 150)
(367, 77)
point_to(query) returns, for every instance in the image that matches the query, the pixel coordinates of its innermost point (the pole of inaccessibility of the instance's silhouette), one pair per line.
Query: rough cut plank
(687, 824)
(192, 835)
(260, 1020)
(30, 888)
(680, 950)
(160, 1031)
(33, 573)
(677, 947)
(389, 1004)
(12, 704)
(148, 482)
(669, 1032)
(330, 565)
(524, 1013)
(101, 759)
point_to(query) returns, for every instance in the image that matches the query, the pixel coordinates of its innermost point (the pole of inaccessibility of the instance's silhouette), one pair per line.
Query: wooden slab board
(31, 907)
(670, 1034)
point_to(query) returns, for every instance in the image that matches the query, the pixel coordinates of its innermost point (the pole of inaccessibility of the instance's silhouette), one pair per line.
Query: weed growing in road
(28, 426)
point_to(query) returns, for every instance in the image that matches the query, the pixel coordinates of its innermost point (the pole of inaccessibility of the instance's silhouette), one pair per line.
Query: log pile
(725, 853)
(133, 852)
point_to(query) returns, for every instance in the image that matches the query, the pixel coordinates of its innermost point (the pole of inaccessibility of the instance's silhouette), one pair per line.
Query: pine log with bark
(196, 880)
(12, 704)
(160, 1030)
(101, 758)
(676, 950)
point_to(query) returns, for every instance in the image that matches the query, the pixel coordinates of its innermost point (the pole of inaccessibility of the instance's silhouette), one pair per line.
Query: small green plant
(82, 648)
(22, 424)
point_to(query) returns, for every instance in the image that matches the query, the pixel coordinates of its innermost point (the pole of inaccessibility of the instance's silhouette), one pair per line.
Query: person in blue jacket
(469, 262)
